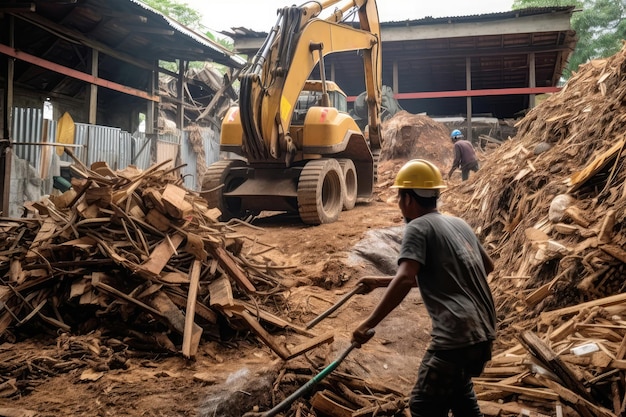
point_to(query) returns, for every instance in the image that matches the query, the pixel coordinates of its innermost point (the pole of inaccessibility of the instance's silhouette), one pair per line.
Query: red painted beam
(75, 74)
(473, 93)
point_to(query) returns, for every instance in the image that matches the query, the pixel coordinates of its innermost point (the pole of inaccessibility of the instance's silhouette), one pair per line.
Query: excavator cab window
(308, 99)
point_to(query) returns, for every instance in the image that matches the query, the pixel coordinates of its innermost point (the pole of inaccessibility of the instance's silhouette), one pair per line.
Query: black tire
(220, 179)
(350, 183)
(320, 198)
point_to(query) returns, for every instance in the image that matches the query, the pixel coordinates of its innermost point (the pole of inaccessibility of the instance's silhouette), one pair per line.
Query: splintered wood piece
(158, 220)
(161, 255)
(100, 196)
(103, 168)
(233, 270)
(47, 230)
(615, 251)
(192, 335)
(538, 393)
(201, 310)
(173, 199)
(322, 401)
(577, 179)
(153, 196)
(96, 278)
(551, 361)
(171, 313)
(195, 246)
(311, 344)
(548, 316)
(585, 407)
(577, 216)
(606, 230)
(272, 319)
(16, 273)
(256, 327)
(221, 293)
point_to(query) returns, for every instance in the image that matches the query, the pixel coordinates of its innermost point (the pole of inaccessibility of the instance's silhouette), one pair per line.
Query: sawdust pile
(550, 204)
(409, 136)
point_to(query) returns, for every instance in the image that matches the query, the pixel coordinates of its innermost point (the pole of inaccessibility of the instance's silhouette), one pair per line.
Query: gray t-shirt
(452, 280)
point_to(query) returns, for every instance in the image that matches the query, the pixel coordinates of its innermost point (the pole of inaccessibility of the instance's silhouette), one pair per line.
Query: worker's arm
(457, 160)
(398, 288)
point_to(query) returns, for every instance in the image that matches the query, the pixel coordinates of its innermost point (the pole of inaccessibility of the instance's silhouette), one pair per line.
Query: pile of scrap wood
(550, 207)
(134, 253)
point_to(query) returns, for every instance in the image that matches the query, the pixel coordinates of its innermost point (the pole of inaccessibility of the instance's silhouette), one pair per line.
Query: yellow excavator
(296, 147)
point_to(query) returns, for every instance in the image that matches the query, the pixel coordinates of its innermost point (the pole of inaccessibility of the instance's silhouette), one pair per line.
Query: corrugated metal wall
(113, 146)
(28, 127)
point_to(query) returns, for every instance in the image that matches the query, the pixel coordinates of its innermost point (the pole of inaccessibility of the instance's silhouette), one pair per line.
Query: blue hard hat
(456, 134)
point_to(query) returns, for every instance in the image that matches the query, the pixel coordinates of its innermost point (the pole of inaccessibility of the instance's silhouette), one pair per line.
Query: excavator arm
(271, 84)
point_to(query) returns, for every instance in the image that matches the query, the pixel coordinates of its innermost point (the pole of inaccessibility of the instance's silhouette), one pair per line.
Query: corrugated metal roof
(203, 40)
(242, 32)
(530, 11)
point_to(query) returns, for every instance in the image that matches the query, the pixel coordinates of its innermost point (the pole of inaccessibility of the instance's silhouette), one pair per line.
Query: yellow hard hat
(419, 174)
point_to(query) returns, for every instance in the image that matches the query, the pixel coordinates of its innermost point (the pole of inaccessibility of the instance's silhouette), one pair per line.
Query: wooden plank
(584, 407)
(47, 229)
(193, 333)
(201, 310)
(260, 332)
(96, 282)
(226, 261)
(311, 344)
(170, 311)
(577, 179)
(539, 393)
(161, 255)
(549, 316)
(221, 293)
(551, 361)
(173, 199)
(272, 319)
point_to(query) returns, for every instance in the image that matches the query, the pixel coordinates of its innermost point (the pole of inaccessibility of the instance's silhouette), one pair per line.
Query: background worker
(450, 265)
(464, 155)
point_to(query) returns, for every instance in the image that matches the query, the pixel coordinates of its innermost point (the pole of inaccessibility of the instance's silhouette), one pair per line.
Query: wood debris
(550, 207)
(340, 394)
(135, 255)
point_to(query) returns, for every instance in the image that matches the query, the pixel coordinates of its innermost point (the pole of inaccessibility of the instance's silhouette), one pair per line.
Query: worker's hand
(367, 284)
(362, 334)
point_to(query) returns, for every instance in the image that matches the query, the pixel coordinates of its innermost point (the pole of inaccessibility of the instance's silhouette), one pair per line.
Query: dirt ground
(228, 379)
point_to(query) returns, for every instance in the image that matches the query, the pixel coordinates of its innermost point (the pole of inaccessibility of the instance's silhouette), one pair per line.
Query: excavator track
(320, 191)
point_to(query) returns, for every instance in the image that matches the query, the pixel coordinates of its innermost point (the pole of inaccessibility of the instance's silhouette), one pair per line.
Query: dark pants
(444, 382)
(467, 168)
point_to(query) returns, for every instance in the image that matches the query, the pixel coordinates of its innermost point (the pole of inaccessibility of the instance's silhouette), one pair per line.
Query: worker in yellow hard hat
(444, 257)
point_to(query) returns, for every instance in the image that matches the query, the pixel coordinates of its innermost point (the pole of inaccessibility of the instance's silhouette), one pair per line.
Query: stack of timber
(132, 254)
(550, 207)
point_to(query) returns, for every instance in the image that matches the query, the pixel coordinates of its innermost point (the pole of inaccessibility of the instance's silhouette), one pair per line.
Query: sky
(260, 15)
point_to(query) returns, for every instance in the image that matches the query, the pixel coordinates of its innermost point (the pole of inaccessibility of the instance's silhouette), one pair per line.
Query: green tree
(600, 26)
(180, 12)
